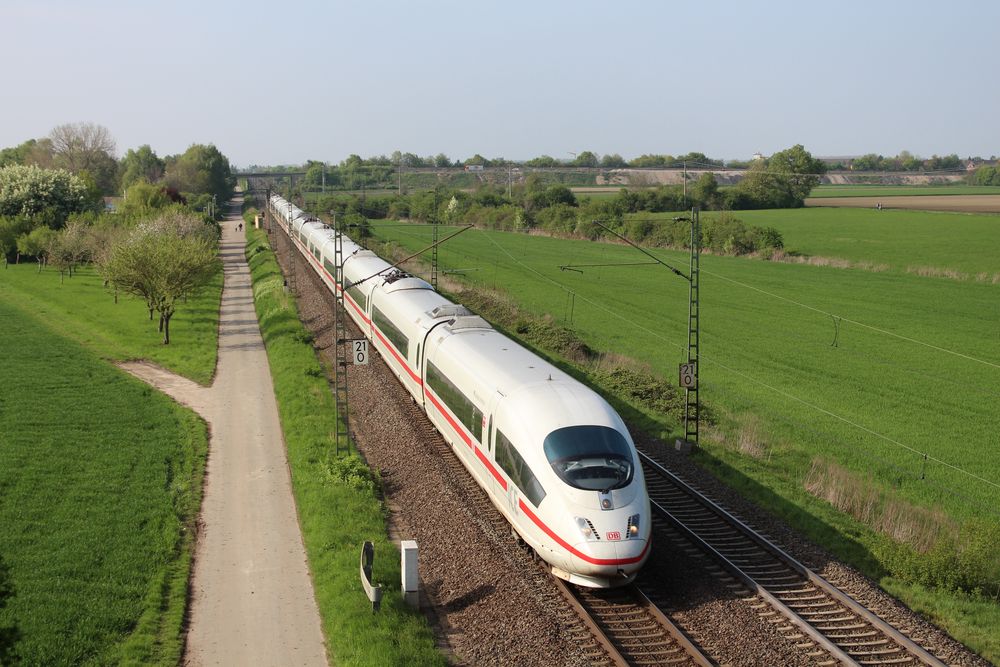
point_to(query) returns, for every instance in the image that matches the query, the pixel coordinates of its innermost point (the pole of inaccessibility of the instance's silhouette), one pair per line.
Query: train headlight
(586, 529)
(633, 526)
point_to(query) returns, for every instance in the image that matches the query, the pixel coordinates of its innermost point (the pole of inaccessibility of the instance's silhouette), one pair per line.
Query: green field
(100, 482)
(890, 375)
(914, 371)
(901, 190)
(82, 309)
(899, 239)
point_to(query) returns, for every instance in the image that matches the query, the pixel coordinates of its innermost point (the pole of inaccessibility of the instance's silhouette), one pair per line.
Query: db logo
(614, 535)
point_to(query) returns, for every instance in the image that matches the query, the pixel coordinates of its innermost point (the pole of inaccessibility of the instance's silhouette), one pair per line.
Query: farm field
(897, 239)
(872, 370)
(889, 377)
(100, 482)
(960, 203)
(823, 191)
(82, 309)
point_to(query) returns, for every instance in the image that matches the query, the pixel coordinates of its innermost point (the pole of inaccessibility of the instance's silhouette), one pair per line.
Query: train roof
(546, 397)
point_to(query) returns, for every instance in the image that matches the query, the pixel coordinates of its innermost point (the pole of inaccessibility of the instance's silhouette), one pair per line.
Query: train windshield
(594, 458)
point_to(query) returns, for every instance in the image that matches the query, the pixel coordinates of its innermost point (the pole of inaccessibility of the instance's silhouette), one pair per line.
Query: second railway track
(822, 615)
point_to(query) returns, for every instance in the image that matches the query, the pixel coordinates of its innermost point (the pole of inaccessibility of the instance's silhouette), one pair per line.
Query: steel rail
(905, 643)
(619, 653)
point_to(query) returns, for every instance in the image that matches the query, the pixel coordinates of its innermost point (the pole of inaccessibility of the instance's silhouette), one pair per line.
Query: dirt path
(252, 598)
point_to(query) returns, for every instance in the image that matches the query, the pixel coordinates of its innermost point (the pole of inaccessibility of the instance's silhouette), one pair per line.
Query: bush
(355, 473)
(558, 219)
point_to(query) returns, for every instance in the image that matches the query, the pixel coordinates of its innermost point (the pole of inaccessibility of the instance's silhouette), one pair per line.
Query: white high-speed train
(554, 457)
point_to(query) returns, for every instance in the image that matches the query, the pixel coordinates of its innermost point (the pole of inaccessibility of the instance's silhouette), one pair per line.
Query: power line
(761, 383)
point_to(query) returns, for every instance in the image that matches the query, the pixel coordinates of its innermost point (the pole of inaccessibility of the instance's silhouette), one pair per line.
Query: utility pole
(684, 175)
(340, 324)
(434, 254)
(688, 372)
(691, 403)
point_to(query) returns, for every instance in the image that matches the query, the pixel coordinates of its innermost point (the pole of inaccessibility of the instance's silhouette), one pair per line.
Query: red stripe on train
(579, 554)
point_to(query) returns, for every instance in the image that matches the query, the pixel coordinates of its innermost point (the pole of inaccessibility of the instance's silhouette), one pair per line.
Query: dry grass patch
(832, 262)
(866, 501)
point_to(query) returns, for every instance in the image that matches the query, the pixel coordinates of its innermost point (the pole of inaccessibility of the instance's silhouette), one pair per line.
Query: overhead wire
(761, 383)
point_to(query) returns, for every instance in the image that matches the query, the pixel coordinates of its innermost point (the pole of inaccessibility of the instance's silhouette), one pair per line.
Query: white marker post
(359, 351)
(411, 578)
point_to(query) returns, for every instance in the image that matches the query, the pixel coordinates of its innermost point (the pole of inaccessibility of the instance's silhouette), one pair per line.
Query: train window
(359, 297)
(466, 411)
(489, 434)
(595, 458)
(315, 252)
(330, 268)
(508, 458)
(395, 336)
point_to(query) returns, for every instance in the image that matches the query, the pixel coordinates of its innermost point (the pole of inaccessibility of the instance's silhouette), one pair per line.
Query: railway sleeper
(841, 628)
(841, 619)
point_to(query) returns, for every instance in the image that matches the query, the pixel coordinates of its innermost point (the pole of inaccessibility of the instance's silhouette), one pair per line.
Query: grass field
(891, 375)
(914, 371)
(82, 309)
(901, 190)
(338, 505)
(898, 239)
(100, 482)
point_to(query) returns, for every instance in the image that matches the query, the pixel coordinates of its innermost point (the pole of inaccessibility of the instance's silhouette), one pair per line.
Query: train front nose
(611, 559)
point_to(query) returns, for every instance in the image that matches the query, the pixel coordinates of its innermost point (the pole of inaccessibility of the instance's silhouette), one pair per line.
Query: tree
(142, 199)
(10, 229)
(782, 181)
(17, 154)
(50, 193)
(586, 159)
(441, 160)
(201, 169)
(542, 161)
(163, 261)
(141, 164)
(86, 147)
(706, 191)
(613, 161)
(651, 161)
(37, 243)
(69, 248)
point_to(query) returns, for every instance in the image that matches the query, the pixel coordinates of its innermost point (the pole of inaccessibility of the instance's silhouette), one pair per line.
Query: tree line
(781, 181)
(160, 241)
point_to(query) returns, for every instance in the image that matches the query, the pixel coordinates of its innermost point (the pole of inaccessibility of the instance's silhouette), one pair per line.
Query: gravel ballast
(481, 592)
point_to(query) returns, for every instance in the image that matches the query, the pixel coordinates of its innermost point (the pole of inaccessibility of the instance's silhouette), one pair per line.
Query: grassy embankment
(914, 371)
(338, 503)
(100, 476)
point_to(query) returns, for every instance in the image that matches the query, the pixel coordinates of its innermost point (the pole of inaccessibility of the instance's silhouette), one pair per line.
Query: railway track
(631, 629)
(611, 627)
(818, 615)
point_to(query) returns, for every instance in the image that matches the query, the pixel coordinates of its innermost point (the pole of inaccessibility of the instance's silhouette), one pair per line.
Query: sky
(282, 82)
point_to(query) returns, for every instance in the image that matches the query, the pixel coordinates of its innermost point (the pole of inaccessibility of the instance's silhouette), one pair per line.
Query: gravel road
(252, 597)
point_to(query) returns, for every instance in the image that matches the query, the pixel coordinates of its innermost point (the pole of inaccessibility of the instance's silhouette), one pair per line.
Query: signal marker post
(688, 372)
